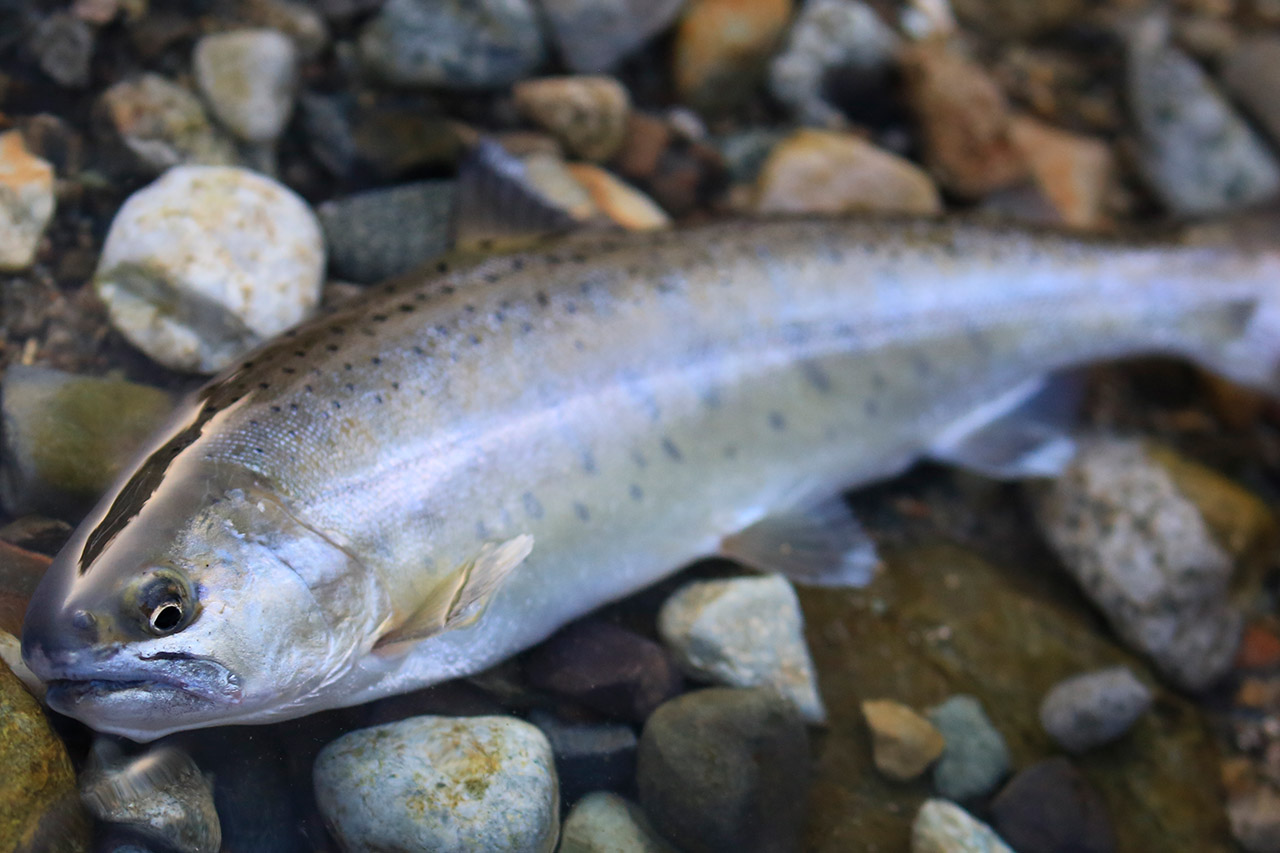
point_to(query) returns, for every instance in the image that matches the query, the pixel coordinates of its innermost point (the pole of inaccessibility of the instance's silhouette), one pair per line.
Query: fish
(443, 473)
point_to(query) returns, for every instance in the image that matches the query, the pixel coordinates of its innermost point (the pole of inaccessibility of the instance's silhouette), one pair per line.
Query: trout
(422, 484)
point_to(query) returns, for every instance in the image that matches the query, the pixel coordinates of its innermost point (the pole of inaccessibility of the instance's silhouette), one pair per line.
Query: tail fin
(1253, 358)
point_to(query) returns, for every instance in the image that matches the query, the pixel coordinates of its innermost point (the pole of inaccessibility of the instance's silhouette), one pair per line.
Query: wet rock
(20, 571)
(606, 823)
(725, 769)
(1050, 808)
(976, 758)
(63, 45)
(453, 44)
(39, 809)
(26, 202)
(1145, 555)
(943, 827)
(606, 668)
(816, 171)
(440, 783)
(67, 437)
(1076, 173)
(743, 632)
(829, 37)
(1255, 819)
(1197, 154)
(206, 263)
(1094, 708)
(587, 114)
(621, 203)
(1013, 19)
(964, 121)
(159, 794)
(903, 743)
(382, 233)
(249, 78)
(160, 124)
(1251, 73)
(552, 183)
(594, 35)
(721, 48)
(589, 756)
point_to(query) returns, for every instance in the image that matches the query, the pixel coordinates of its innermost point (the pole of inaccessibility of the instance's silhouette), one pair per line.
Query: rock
(39, 809)
(721, 48)
(680, 174)
(440, 783)
(1050, 808)
(623, 204)
(1259, 646)
(1013, 19)
(1143, 553)
(1094, 708)
(484, 44)
(743, 632)
(587, 114)
(299, 21)
(964, 121)
(1255, 819)
(928, 20)
(1197, 154)
(159, 794)
(829, 37)
(206, 263)
(589, 756)
(606, 823)
(725, 769)
(606, 668)
(903, 743)
(382, 233)
(161, 125)
(26, 202)
(552, 183)
(594, 35)
(1076, 173)
(20, 571)
(744, 153)
(249, 78)
(976, 758)
(55, 140)
(815, 171)
(1251, 73)
(943, 827)
(63, 45)
(36, 533)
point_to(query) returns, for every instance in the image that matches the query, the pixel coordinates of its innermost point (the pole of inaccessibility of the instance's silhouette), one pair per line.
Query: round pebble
(606, 823)
(594, 35)
(249, 78)
(976, 758)
(445, 784)
(208, 262)
(903, 743)
(587, 114)
(1050, 808)
(1089, 710)
(26, 202)
(160, 124)
(944, 827)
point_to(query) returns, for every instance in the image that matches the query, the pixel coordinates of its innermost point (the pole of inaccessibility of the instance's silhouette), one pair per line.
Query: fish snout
(57, 639)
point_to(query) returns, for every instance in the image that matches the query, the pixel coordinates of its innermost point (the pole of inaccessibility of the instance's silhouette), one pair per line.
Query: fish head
(213, 604)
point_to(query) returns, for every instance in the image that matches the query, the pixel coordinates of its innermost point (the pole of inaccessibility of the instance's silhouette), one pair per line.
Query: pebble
(903, 743)
(304, 25)
(1142, 551)
(67, 437)
(382, 233)
(1198, 155)
(446, 784)
(818, 171)
(249, 78)
(726, 769)
(589, 756)
(36, 532)
(964, 121)
(622, 203)
(26, 202)
(1050, 808)
(829, 37)
(606, 823)
(1255, 819)
(1094, 708)
(1076, 173)
(944, 827)
(63, 45)
(159, 793)
(1251, 73)
(743, 632)
(976, 758)
(677, 172)
(20, 571)
(1259, 647)
(594, 35)
(453, 44)
(722, 47)
(606, 668)
(1017, 19)
(160, 125)
(202, 237)
(587, 114)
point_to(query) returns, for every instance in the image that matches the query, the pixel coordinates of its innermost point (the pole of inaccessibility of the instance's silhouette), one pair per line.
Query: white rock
(161, 124)
(207, 262)
(443, 784)
(249, 78)
(943, 827)
(743, 632)
(1094, 708)
(606, 823)
(26, 202)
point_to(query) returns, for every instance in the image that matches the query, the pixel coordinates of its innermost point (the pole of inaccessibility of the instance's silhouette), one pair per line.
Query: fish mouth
(186, 679)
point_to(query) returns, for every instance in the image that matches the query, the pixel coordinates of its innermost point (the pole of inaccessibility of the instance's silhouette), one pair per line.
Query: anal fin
(821, 544)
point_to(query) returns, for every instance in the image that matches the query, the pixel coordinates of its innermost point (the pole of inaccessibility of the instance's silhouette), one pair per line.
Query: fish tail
(1251, 354)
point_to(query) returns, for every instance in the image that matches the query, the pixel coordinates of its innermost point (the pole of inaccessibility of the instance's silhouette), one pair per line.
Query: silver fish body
(629, 401)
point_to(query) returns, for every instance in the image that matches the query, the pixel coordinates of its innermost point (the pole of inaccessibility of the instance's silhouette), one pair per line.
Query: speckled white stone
(26, 202)
(249, 78)
(207, 262)
(943, 827)
(606, 823)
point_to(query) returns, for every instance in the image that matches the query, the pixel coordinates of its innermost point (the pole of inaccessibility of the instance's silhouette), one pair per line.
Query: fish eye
(165, 604)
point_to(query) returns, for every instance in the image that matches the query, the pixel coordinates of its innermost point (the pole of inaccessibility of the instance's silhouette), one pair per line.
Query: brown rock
(904, 743)
(1076, 173)
(678, 173)
(587, 114)
(1016, 19)
(1259, 648)
(623, 204)
(721, 48)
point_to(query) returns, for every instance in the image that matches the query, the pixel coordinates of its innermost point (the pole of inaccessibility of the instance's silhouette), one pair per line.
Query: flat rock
(249, 78)
(903, 743)
(976, 758)
(26, 202)
(586, 113)
(722, 47)
(159, 124)
(943, 827)
(1049, 808)
(606, 823)
(381, 233)
(1094, 708)
(450, 785)
(594, 35)
(1076, 173)
(617, 200)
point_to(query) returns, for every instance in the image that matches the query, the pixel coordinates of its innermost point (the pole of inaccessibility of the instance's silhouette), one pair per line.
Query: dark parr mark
(589, 463)
(817, 378)
(669, 448)
(777, 421)
(532, 507)
(637, 493)
(581, 511)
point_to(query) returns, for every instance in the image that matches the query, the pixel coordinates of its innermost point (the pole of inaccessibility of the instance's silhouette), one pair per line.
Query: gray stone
(249, 78)
(976, 759)
(382, 233)
(1089, 710)
(63, 45)
(726, 769)
(26, 202)
(1251, 73)
(594, 35)
(589, 756)
(446, 784)
(161, 125)
(454, 44)
(943, 827)
(606, 823)
(743, 632)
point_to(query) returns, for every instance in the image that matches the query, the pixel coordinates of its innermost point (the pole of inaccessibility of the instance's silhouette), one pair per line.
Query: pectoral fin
(821, 544)
(460, 597)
